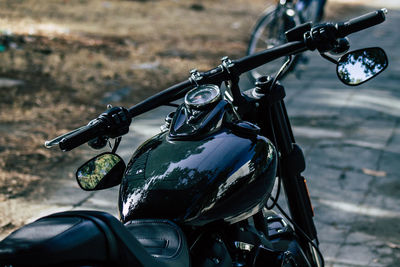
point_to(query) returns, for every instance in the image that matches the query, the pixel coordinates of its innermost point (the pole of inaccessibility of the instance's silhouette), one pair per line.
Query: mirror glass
(359, 66)
(103, 171)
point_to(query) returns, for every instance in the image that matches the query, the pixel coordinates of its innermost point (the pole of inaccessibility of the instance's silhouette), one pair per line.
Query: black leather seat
(77, 238)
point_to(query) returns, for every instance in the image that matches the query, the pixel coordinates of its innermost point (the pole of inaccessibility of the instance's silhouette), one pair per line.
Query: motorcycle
(197, 193)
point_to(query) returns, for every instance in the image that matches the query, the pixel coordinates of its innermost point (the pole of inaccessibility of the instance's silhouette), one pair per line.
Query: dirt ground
(74, 57)
(70, 55)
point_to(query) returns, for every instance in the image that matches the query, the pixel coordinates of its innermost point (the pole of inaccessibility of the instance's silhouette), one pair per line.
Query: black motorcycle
(197, 193)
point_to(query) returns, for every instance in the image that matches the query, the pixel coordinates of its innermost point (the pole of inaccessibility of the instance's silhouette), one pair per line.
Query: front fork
(292, 165)
(276, 126)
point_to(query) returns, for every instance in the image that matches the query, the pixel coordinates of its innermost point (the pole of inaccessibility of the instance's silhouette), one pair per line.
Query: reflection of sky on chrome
(357, 71)
(139, 194)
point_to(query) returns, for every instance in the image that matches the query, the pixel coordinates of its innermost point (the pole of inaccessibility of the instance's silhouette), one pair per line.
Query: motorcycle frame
(272, 104)
(291, 158)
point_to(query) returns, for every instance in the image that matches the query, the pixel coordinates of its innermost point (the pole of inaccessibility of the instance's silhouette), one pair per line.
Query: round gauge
(202, 95)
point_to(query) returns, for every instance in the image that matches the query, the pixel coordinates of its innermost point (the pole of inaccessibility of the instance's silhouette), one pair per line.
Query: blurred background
(62, 62)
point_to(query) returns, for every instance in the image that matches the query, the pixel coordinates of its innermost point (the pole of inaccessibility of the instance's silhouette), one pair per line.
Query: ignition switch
(168, 120)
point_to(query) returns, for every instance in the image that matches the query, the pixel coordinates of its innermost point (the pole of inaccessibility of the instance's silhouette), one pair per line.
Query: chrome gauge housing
(202, 96)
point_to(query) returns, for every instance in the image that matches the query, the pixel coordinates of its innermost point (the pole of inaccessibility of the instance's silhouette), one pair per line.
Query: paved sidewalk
(351, 139)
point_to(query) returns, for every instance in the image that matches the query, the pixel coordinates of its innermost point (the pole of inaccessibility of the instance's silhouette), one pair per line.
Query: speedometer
(202, 95)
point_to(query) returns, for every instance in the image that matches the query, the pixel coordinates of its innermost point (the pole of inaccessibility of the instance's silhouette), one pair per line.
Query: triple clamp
(227, 64)
(195, 77)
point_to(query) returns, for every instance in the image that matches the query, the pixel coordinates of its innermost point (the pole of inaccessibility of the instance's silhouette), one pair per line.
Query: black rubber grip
(361, 23)
(82, 136)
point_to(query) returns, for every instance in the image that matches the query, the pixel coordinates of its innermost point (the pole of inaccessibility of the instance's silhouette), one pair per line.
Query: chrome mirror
(101, 172)
(361, 65)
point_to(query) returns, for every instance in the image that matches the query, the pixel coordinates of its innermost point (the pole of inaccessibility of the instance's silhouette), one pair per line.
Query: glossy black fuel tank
(221, 177)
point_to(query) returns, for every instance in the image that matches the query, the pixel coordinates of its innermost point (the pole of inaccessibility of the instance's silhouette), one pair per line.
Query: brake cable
(278, 190)
(116, 144)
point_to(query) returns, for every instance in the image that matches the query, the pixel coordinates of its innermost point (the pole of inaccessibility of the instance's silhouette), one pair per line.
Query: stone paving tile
(344, 157)
(373, 103)
(346, 187)
(331, 233)
(392, 149)
(330, 250)
(384, 197)
(358, 255)
(327, 215)
(367, 244)
(371, 133)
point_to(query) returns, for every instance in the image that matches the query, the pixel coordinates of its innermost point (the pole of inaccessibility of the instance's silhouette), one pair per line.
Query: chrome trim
(204, 86)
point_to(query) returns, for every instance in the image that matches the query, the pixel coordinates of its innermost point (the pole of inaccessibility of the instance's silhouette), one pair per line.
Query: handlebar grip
(361, 23)
(75, 139)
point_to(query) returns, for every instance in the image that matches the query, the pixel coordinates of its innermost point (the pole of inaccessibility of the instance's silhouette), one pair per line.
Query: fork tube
(292, 162)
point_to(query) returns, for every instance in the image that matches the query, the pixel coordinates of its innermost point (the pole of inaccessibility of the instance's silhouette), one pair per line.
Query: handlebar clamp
(229, 66)
(195, 77)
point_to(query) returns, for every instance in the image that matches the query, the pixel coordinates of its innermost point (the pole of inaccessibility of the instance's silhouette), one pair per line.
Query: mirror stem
(116, 144)
(331, 59)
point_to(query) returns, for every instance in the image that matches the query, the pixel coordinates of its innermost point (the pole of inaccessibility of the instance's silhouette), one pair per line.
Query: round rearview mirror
(101, 172)
(359, 66)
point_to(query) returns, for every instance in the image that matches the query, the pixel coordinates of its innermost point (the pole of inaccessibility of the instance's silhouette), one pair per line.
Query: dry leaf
(393, 245)
(374, 173)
